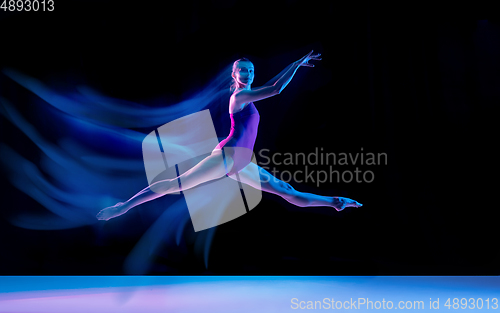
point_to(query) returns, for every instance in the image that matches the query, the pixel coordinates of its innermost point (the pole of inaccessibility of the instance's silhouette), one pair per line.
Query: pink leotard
(243, 132)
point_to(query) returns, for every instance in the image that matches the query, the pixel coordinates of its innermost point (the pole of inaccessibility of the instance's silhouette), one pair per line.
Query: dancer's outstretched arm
(257, 94)
(272, 81)
(287, 77)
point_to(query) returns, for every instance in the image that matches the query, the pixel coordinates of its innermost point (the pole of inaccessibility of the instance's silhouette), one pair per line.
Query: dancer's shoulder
(241, 96)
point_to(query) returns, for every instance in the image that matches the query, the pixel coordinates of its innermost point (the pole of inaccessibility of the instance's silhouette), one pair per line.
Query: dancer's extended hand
(307, 57)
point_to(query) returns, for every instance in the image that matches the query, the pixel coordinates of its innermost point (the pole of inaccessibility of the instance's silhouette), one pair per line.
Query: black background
(417, 82)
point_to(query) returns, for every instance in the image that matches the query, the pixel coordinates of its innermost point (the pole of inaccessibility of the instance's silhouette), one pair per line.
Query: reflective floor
(245, 293)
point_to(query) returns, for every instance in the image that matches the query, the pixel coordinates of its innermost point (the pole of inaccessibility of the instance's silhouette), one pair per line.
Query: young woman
(237, 148)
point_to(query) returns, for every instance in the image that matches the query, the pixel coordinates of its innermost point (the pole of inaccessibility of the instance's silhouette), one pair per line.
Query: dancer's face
(244, 73)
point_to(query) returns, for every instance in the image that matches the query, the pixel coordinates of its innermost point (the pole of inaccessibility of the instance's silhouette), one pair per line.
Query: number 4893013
(27, 5)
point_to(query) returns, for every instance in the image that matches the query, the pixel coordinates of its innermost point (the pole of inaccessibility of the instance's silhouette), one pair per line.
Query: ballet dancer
(236, 163)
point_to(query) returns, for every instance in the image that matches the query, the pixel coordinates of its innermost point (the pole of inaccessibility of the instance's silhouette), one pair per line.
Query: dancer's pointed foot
(340, 203)
(112, 211)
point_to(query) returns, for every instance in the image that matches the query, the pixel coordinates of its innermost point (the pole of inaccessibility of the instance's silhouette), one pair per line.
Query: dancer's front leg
(209, 168)
(160, 188)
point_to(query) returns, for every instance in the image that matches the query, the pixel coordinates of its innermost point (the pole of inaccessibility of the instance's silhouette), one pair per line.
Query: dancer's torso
(244, 125)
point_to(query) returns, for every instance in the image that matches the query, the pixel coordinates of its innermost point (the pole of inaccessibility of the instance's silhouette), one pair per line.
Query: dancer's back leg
(257, 177)
(211, 167)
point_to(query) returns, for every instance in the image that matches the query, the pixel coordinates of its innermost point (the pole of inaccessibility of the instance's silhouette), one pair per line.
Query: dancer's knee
(229, 162)
(162, 186)
(227, 159)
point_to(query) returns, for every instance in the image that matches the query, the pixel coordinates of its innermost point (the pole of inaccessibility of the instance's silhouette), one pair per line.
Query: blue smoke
(98, 162)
